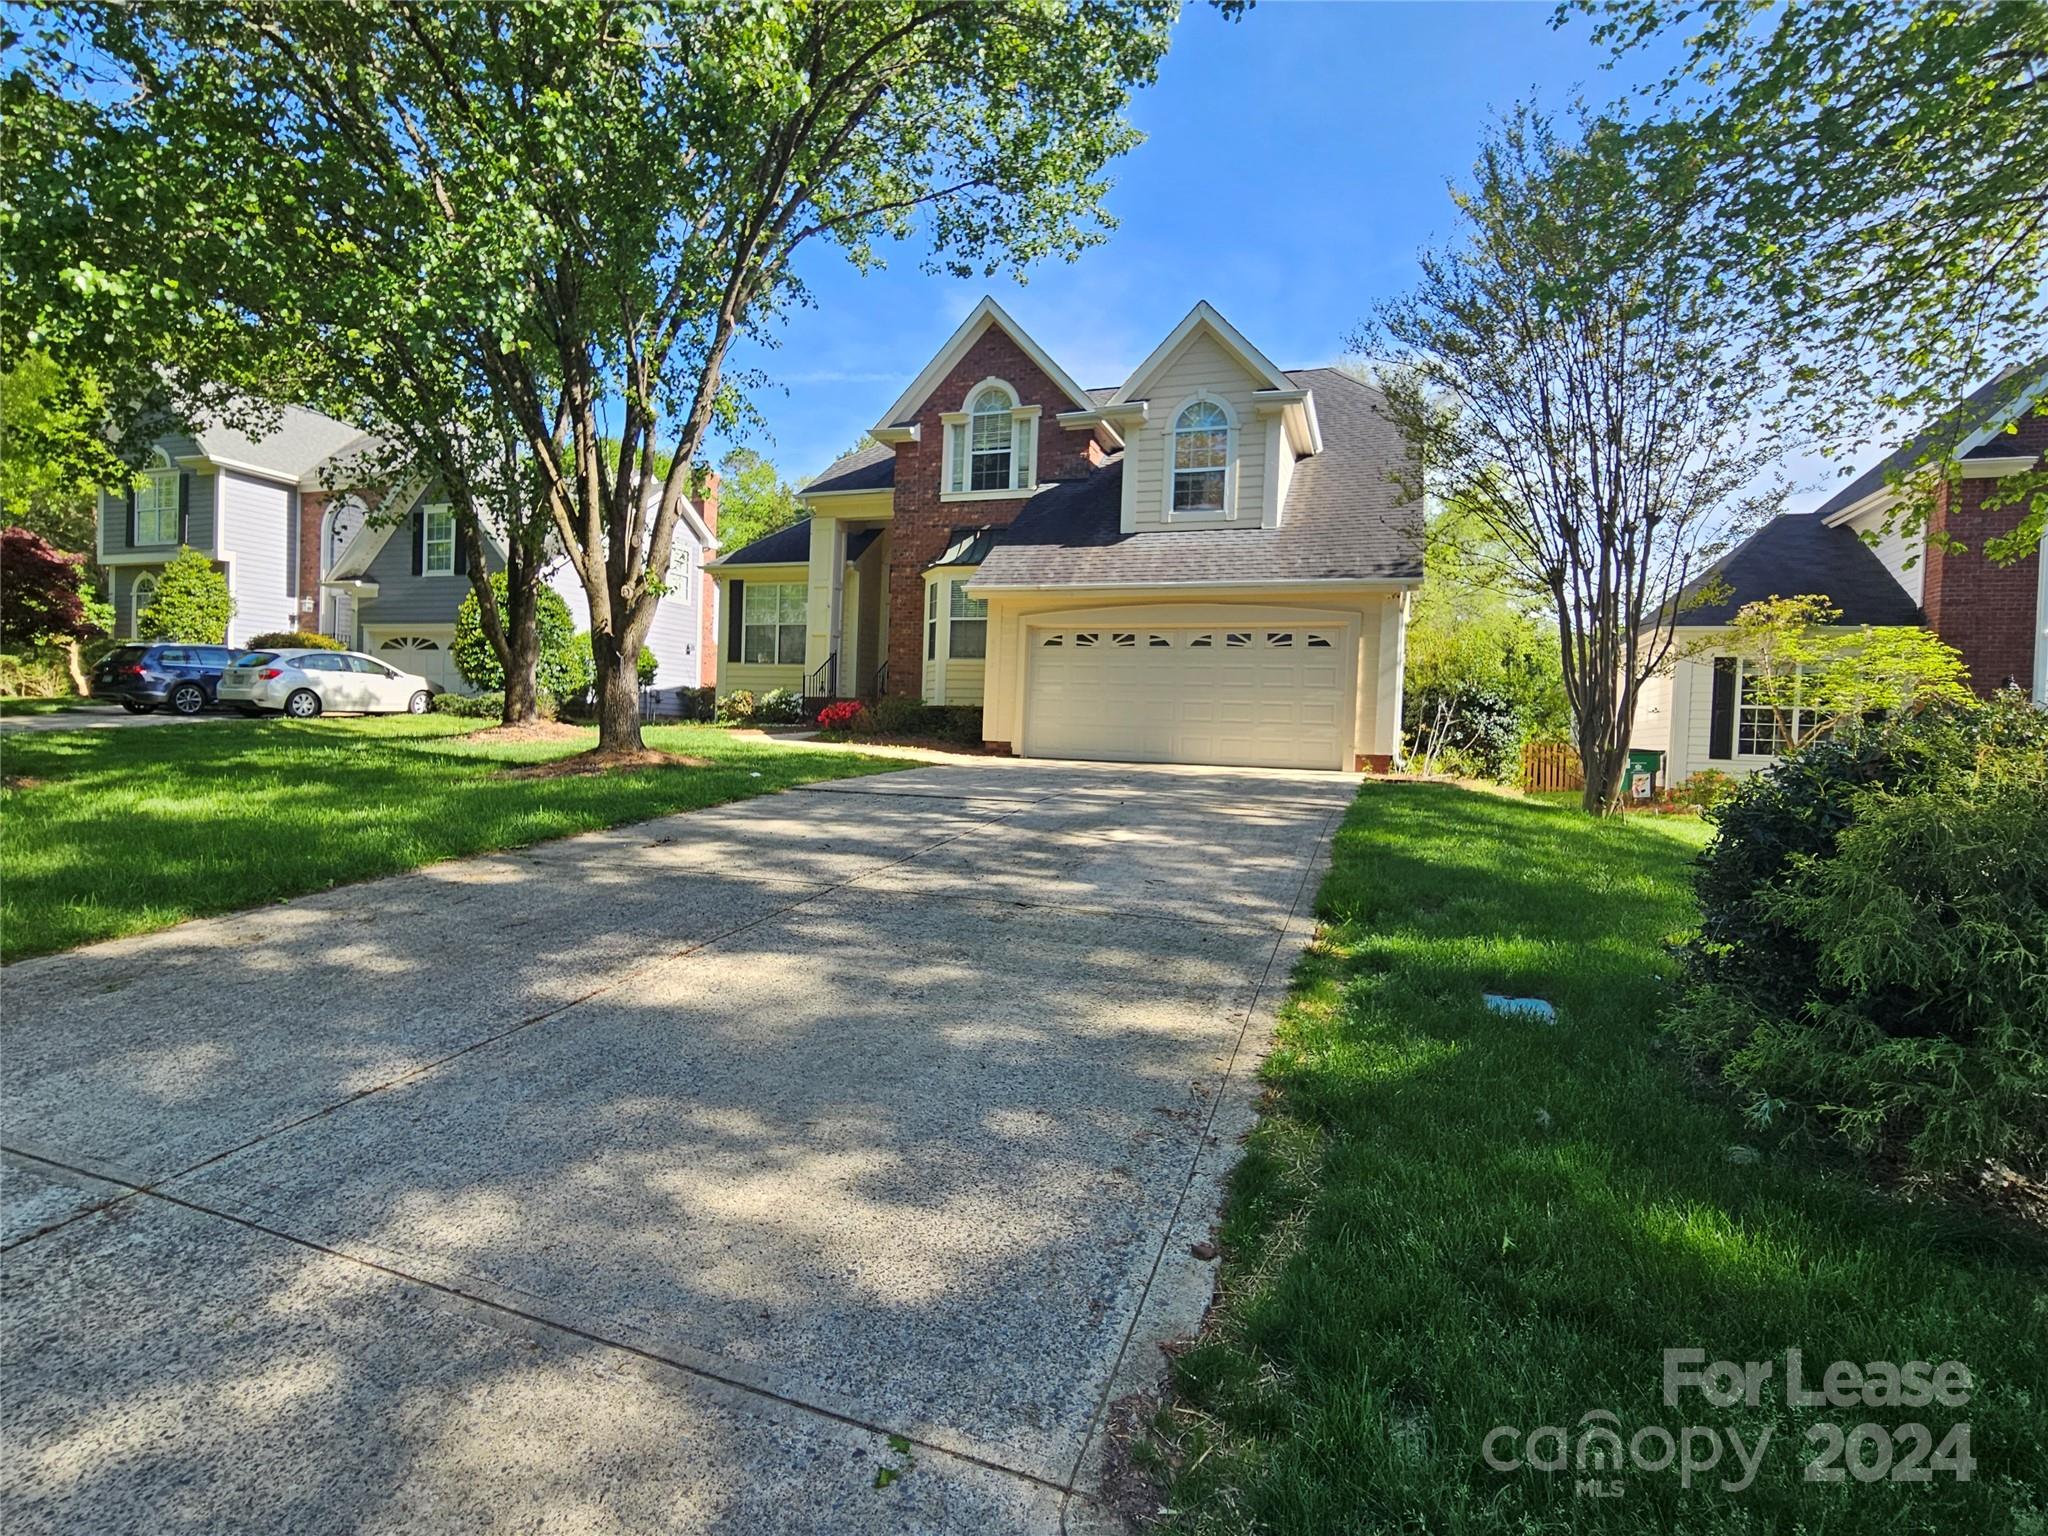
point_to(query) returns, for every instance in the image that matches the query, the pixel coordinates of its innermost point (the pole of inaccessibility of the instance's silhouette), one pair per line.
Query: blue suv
(181, 678)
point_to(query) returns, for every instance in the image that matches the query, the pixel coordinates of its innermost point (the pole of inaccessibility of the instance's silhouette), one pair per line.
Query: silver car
(302, 684)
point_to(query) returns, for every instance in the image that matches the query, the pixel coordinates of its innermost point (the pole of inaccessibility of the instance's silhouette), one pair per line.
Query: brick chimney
(707, 638)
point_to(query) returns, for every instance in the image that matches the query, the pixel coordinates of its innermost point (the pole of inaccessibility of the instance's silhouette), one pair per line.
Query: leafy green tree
(477, 659)
(1814, 675)
(554, 221)
(1565, 373)
(1869, 182)
(54, 455)
(753, 500)
(192, 602)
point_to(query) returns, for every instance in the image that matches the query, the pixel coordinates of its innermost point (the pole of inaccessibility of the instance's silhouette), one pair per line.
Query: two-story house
(1208, 563)
(301, 549)
(1852, 551)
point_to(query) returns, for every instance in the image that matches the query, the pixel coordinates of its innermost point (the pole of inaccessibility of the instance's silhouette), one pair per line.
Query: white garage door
(1271, 695)
(426, 653)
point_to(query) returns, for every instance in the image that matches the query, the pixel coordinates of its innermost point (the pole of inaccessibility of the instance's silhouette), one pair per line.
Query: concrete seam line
(569, 1330)
(1311, 867)
(517, 1027)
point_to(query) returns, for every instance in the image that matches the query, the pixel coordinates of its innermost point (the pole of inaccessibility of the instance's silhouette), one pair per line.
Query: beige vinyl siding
(963, 682)
(1200, 366)
(757, 678)
(1895, 548)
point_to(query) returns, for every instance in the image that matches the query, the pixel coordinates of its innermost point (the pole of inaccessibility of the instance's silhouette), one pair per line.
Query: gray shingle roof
(870, 467)
(1799, 554)
(1981, 405)
(1346, 519)
(301, 441)
(792, 546)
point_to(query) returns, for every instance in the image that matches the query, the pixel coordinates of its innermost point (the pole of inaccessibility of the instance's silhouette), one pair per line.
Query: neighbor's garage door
(429, 653)
(1271, 695)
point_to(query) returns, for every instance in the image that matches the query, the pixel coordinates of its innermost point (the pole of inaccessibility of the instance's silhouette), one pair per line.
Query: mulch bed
(595, 761)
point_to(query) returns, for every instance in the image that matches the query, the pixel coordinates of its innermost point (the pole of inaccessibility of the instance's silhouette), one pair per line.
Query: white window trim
(1023, 445)
(1230, 443)
(748, 596)
(162, 476)
(935, 641)
(427, 540)
(1743, 673)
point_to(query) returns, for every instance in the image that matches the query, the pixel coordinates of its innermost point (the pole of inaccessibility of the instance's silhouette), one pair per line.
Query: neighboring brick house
(1209, 563)
(301, 550)
(1852, 551)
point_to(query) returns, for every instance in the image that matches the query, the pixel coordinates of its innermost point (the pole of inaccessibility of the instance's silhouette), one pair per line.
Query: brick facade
(1986, 611)
(923, 523)
(312, 510)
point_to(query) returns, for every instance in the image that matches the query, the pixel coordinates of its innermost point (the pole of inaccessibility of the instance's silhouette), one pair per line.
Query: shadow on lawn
(901, 1143)
(1453, 1220)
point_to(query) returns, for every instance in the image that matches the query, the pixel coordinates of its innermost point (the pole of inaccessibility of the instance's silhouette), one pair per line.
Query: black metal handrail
(881, 685)
(824, 683)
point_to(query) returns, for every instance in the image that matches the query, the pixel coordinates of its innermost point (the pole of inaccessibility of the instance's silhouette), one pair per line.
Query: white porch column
(823, 599)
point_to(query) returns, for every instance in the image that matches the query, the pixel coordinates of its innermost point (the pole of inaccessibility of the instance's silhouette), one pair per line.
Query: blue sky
(1295, 161)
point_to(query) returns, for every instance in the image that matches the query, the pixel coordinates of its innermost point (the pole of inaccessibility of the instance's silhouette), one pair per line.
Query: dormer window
(1201, 461)
(991, 445)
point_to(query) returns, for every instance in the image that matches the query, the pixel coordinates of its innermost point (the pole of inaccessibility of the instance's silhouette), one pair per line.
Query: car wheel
(420, 703)
(134, 708)
(188, 698)
(304, 704)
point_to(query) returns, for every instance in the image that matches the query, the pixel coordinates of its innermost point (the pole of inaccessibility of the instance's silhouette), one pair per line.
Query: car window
(213, 655)
(127, 655)
(173, 656)
(255, 658)
(320, 664)
(374, 668)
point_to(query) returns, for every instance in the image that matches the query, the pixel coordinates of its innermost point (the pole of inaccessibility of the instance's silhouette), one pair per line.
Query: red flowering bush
(840, 716)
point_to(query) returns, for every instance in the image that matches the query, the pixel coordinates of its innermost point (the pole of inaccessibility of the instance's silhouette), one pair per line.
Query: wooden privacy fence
(1550, 765)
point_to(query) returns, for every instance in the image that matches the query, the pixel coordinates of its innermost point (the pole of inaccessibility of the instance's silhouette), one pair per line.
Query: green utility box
(1645, 776)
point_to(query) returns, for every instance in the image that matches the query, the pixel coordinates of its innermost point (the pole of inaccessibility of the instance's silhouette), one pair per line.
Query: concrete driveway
(102, 717)
(699, 1175)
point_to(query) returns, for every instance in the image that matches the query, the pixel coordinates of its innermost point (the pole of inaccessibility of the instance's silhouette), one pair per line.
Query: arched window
(156, 502)
(1201, 458)
(143, 595)
(989, 444)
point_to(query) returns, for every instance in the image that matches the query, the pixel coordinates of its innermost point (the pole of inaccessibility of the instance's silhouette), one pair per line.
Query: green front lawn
(104, 833)
(1450, 1221)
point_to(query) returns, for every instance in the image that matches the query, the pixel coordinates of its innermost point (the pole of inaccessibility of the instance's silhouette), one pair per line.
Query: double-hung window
(1762, 724)
(772, 624)
(437, 541)
(1201, 458)
(990, 446)
(966, 623)
(156, 503)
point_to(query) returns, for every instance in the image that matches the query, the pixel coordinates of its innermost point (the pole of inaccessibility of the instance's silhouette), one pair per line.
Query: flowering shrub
(1704, 789)
(840, 716)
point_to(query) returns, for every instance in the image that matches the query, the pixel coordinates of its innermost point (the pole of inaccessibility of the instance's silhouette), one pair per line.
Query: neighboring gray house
(302, 551)
(231, 497)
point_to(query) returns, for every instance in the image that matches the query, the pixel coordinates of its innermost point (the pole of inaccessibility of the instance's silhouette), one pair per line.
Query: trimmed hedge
(293, 640)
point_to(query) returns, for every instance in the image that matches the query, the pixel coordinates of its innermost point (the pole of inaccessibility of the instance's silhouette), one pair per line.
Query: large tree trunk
(522, 656)
(618, 695)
